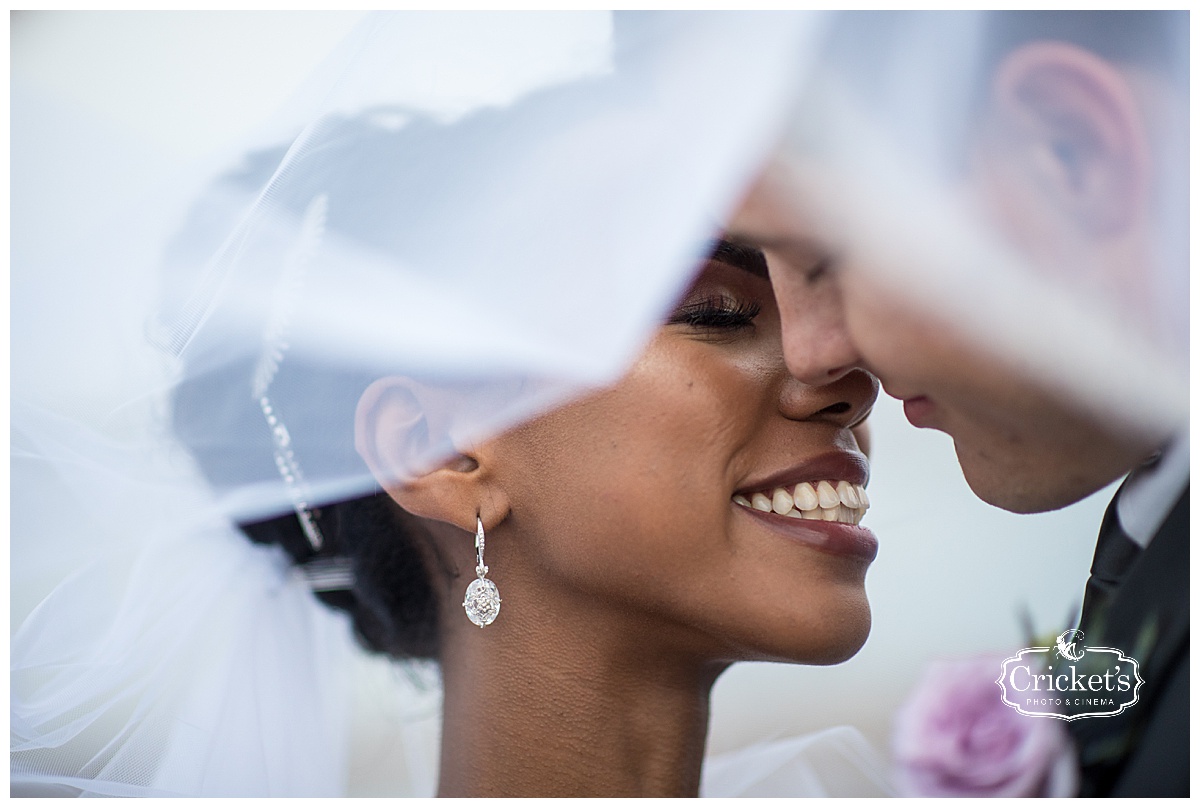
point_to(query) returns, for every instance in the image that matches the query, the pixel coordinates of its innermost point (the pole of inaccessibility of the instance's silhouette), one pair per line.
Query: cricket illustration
(1066, 644)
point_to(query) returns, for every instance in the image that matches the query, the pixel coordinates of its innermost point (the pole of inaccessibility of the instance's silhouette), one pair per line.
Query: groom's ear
(1068, 138)
(412, 461)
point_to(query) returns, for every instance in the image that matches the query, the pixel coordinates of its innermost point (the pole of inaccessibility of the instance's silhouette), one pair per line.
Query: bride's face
(635, 507)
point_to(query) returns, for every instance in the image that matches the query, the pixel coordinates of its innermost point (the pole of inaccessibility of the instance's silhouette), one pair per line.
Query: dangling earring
(482, 600)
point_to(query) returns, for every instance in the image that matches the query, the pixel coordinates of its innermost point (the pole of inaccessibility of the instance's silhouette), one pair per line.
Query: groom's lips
(919, 411)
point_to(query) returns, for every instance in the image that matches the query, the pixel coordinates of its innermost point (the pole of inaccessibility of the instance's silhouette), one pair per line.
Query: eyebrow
(739, 255)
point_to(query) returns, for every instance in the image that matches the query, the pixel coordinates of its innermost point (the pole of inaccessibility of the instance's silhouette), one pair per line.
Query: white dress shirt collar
(1151, 490)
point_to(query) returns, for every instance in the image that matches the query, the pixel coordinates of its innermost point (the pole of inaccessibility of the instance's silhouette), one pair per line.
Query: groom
(1077, 142)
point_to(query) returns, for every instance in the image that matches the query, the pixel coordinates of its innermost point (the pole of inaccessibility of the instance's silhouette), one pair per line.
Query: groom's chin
(1034, 471)
(1013, 488)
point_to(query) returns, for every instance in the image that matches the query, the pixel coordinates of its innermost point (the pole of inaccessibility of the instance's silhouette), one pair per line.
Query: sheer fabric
(505, 247)
(408, 213)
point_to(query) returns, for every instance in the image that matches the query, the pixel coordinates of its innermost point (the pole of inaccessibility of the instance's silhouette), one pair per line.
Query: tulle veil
(516, 189)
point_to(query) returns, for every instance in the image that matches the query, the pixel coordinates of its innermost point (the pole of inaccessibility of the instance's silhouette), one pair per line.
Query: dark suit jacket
(1144, 751)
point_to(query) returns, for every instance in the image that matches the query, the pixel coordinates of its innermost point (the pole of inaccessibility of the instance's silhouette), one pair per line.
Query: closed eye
(717, 313)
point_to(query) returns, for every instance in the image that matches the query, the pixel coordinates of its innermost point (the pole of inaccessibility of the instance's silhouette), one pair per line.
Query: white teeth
(829, 501)
(781, 502)
(805, 497)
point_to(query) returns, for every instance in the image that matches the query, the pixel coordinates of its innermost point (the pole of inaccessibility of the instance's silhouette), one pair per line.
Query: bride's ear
(392, 427)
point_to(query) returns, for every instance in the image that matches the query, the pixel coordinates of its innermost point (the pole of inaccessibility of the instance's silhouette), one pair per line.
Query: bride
(582, 576)
(701, 511)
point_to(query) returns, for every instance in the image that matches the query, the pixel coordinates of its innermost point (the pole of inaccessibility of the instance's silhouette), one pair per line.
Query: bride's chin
(850, 645)
(842, 635)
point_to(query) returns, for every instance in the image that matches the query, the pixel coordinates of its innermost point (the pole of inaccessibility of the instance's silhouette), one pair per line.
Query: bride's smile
(702, 510)
(707, 502)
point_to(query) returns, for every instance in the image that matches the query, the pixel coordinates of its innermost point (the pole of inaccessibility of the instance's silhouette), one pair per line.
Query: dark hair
(411, 163)
(866, 45)
(391, 603)
(1154, 40)
(874, 55)
(405, 159)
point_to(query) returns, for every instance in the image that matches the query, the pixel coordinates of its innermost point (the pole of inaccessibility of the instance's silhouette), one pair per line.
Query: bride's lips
(833, 537)
(848, 466)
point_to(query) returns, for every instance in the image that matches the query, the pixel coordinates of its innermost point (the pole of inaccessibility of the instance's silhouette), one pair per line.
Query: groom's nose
(817, 348)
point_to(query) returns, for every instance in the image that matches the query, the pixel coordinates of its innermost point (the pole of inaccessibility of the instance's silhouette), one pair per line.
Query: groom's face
(1060, 163)
(1021, 447)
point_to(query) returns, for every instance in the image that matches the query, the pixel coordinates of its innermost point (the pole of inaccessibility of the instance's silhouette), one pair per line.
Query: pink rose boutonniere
(955, 737)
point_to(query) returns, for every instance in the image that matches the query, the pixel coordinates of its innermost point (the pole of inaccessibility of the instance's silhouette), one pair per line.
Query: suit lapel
(1147, 618)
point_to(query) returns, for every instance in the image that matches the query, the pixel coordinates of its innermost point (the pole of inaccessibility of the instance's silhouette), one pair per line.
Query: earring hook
(480, 568)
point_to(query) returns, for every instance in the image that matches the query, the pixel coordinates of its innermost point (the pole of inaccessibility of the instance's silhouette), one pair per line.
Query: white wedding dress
(836, 762)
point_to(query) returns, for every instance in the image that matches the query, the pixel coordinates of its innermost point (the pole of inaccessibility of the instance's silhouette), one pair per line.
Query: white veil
(506, 246)
(880, 142)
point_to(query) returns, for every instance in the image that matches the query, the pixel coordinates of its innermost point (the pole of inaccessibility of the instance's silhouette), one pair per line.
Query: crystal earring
(482, 601)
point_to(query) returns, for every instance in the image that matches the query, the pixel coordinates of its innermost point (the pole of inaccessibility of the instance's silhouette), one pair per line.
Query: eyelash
(716, 313)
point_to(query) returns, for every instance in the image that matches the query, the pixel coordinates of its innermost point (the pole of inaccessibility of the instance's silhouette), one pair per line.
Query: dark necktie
(1115, 555)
